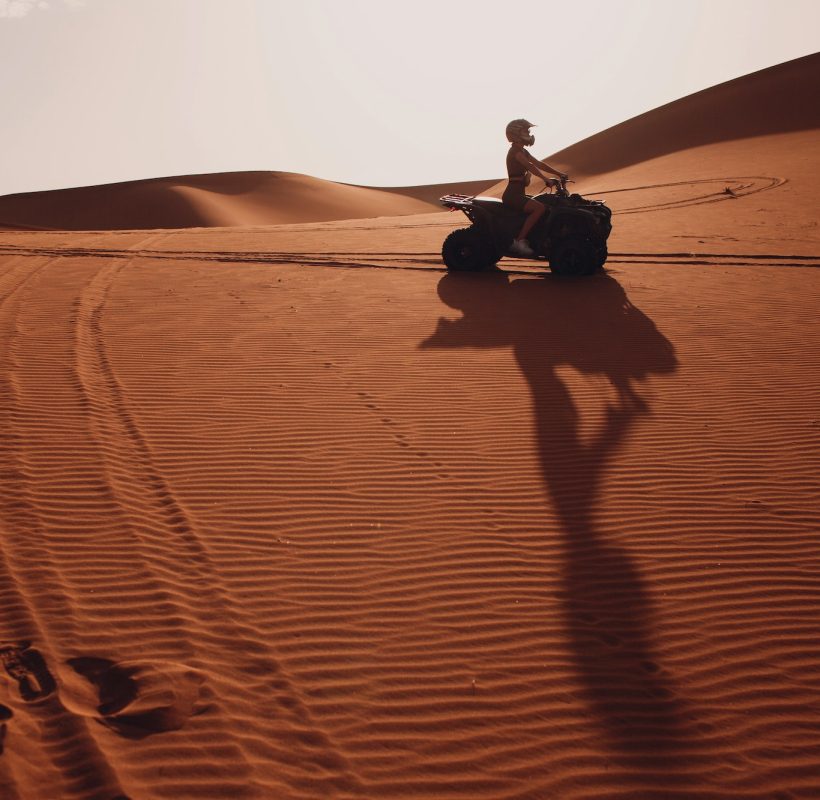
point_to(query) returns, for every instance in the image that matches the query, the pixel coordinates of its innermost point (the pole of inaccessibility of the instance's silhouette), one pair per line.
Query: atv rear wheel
(467, 250)
(575, 255)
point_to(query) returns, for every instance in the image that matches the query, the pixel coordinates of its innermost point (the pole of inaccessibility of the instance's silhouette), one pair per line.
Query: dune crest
(780, 99)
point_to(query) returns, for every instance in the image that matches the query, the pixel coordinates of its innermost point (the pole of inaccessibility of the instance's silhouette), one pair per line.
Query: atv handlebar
(560, 185)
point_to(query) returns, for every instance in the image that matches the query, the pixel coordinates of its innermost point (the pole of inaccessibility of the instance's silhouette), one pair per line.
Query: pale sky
(375, 92)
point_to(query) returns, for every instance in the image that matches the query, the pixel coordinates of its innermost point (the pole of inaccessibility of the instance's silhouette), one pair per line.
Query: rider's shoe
(521, 247)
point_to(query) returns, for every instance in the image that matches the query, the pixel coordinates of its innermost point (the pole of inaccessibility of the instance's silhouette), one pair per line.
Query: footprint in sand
(27, 666)
(133, 698)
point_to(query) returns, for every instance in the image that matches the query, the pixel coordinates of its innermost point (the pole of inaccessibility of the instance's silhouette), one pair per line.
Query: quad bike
(571, 235)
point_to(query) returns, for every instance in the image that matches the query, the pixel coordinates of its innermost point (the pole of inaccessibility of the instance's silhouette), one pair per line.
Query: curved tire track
(735, 188)
(28, 580)
(209, 619)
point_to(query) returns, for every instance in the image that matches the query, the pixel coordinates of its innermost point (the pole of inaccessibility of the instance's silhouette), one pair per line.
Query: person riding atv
(567, 230)
(520, 165)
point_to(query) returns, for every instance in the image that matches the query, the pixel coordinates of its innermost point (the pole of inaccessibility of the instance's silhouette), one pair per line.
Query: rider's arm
(531, 164)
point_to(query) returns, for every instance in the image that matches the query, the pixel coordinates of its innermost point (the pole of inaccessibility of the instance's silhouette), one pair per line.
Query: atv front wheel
(467, 250)
(575, 255)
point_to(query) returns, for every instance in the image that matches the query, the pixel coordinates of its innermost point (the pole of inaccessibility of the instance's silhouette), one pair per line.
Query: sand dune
(220, 200)
(292, 513)
(432, 193)
(777, 100)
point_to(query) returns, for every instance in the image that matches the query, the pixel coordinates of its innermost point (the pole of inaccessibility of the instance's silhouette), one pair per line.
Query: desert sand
(287, 511)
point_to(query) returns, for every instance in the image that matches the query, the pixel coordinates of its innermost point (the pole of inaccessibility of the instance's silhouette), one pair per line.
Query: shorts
(514, 196)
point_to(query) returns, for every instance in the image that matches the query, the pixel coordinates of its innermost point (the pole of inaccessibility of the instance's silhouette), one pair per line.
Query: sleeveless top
(515, 169)
(514, 195)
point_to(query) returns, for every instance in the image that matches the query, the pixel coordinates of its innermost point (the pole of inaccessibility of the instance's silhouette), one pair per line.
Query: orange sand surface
(290, 512)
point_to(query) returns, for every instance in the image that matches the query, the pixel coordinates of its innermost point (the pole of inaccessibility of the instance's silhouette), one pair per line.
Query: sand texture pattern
(290, 512)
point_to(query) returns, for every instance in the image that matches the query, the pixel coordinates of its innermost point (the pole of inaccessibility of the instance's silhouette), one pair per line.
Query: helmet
(518, 132)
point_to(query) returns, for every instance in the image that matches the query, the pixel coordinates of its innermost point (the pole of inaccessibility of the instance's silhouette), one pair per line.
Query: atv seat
(495, 206)
(487, 202)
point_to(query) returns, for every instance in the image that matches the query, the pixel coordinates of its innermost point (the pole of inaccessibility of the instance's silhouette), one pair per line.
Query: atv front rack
(457, 201)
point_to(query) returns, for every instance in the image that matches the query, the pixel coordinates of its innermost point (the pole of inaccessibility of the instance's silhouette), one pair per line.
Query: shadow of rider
(590, 325)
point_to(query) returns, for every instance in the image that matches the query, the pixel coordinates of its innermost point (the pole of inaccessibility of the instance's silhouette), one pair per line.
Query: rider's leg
(536, 211)
(520, 246)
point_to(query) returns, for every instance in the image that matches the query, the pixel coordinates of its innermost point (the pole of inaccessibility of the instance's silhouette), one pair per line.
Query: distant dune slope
(219, 200)
(433, 192)
(775, 100)
(780, 99)
(226, 199)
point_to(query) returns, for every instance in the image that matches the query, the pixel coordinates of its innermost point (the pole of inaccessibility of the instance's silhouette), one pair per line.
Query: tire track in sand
(733, 189)
(421, 261)
(28, 579)
(208, 618)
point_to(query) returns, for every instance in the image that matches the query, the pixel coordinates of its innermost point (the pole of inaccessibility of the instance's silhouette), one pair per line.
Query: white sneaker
(521, 247)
